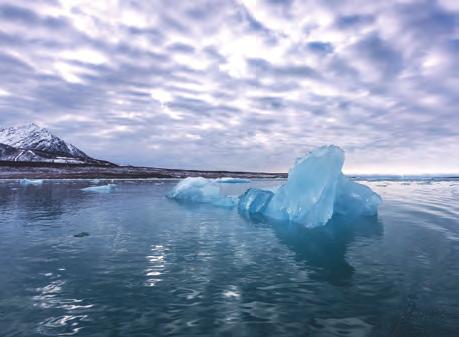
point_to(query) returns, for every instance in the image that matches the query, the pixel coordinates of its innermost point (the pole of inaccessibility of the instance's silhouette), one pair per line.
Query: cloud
(237, 84)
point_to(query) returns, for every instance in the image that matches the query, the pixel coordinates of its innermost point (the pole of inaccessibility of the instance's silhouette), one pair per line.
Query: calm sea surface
(154, 267)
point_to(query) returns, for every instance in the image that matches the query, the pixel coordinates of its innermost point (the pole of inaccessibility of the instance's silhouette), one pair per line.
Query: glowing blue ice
(254, 201)
(200, 190)
(100, 189)
(315, 190)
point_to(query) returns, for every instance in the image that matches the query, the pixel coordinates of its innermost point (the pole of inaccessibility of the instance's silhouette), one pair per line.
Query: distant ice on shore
(231, 180)
(33, 182)
(100, 189)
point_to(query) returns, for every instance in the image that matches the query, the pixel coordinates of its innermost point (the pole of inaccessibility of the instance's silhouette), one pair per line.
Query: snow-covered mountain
(30, 143)
(32, 137)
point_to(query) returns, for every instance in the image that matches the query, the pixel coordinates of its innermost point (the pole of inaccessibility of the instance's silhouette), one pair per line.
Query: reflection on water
(51, 296)
(153, 267)
(324, 249)
(156, 264)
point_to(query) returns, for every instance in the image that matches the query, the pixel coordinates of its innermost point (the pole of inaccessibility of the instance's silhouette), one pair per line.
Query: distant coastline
(40, 170)
(46, 170)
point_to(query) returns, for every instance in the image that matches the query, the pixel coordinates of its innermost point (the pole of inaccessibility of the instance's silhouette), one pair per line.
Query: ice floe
(201, 190)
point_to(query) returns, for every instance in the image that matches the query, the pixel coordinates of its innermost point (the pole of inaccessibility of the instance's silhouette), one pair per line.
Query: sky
(238, 84)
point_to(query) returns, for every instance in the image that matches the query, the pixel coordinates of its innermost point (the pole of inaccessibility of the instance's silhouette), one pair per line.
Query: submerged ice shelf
(315, 190)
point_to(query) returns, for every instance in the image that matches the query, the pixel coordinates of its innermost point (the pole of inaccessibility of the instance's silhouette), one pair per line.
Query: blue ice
(315, 190)
(100, 189)
(254, 201)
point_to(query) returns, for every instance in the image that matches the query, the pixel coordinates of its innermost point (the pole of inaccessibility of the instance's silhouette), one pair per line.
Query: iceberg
(315, 190)
(231, 180)
(33, 182)
(200, 190)
(100, 189)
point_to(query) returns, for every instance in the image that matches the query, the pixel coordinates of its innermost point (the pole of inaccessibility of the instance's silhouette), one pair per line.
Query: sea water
(132, 262)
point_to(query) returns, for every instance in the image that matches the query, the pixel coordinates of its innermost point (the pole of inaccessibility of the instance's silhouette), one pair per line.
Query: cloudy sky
(238, 84)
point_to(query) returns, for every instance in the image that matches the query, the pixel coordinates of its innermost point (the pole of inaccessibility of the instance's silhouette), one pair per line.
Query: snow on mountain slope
(30, 143)
(32, 137)
(8, 152)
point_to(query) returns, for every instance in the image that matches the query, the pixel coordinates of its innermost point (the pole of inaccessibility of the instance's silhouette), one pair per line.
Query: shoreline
(48, 171)
(62, 171)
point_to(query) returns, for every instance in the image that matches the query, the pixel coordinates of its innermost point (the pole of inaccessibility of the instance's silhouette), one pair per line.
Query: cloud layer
(246, 85)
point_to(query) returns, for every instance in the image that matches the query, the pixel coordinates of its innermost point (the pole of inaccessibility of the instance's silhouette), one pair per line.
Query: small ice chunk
(34, 182)
(315, 191)
(200, 190)
(100, 189)
(230, 180)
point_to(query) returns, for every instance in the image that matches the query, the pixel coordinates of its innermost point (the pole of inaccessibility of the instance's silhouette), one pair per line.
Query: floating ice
(34, 182)
(315, 190)
(200, 190)
(355, 198)
(230, 180)
(100, 189)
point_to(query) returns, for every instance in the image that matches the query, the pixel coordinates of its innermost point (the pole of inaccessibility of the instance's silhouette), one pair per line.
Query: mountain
(32, 137)
(30, 143)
